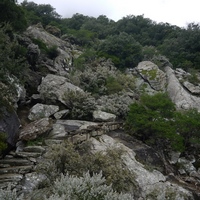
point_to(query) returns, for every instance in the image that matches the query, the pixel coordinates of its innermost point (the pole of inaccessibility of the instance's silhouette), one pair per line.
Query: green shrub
(193, 78)
(81, 104)
(152, 121)
(40, 44)
(77, 159)
(112, 85)
(52, 52)
(188, 125)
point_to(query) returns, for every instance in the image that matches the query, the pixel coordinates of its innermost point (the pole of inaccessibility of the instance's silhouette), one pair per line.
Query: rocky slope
(54, 97)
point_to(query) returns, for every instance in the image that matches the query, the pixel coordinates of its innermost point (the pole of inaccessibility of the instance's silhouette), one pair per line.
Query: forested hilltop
(127, 41)
(92, 109)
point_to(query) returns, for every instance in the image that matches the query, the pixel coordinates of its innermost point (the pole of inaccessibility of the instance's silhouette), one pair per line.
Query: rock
(65, 57)
(181, 97)
(35, 149)
(55, 88)
(186, 165)
(39, 111)
(10, 162)
(152, 74)
(33, 53)
(9, 124)
(53, 30)
(151, 183)
(62, 128)
(101, 116)
(35, 129)
(31, 181)
(61, 114)
(193, 89)
(181, 74)
(20, 146)
(174, 157)
(20, 94)
(16, 169)
(10, 178)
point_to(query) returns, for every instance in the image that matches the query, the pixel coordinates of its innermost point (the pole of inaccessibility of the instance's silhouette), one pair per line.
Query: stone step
(10, 178)
(14, 170)
(14, 162)
(23, 154)
(34, 149)
(50, 142)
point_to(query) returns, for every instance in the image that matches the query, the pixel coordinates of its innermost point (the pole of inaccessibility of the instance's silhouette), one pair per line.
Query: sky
(174, 12)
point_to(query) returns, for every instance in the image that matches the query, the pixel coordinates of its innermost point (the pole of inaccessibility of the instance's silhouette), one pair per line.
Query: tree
(188, 126)
(11, 54)
(43, 13)
(152, 121)
(13, 14)
(123, 49)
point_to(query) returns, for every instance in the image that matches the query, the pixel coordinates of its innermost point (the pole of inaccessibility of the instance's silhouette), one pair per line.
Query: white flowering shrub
(85, 188)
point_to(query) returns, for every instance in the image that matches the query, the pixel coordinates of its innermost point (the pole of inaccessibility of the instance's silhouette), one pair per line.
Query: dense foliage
(155, 121)
(13, 14)
(126, 42)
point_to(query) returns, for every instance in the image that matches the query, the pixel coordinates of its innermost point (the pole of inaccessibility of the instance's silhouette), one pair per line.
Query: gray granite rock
(39, 111)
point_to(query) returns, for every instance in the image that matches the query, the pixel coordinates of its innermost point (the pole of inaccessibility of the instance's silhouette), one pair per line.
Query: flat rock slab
(34, 129)
(10, 178)
(14, 170)
(63, 128)
(34, 149)
(15, 162)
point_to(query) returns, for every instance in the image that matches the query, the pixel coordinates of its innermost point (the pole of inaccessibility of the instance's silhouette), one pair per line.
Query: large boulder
(178, 94)
(39, 111)
(9, 124)
(152, 74)
(55, 88)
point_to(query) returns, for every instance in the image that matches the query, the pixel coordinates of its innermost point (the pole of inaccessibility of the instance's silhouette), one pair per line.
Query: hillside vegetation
(78, 66)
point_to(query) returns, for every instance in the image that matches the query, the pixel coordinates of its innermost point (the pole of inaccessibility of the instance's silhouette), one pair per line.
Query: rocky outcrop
(152, 74)
(178, 94)
(63, 62)
(55, 88)
(152, 184)
(39, 111)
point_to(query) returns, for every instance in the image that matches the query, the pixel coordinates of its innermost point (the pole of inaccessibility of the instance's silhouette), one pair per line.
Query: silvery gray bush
(86, 187)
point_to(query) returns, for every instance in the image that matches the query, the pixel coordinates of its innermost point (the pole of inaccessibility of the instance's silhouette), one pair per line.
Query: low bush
(78, 159)
(86, 187)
